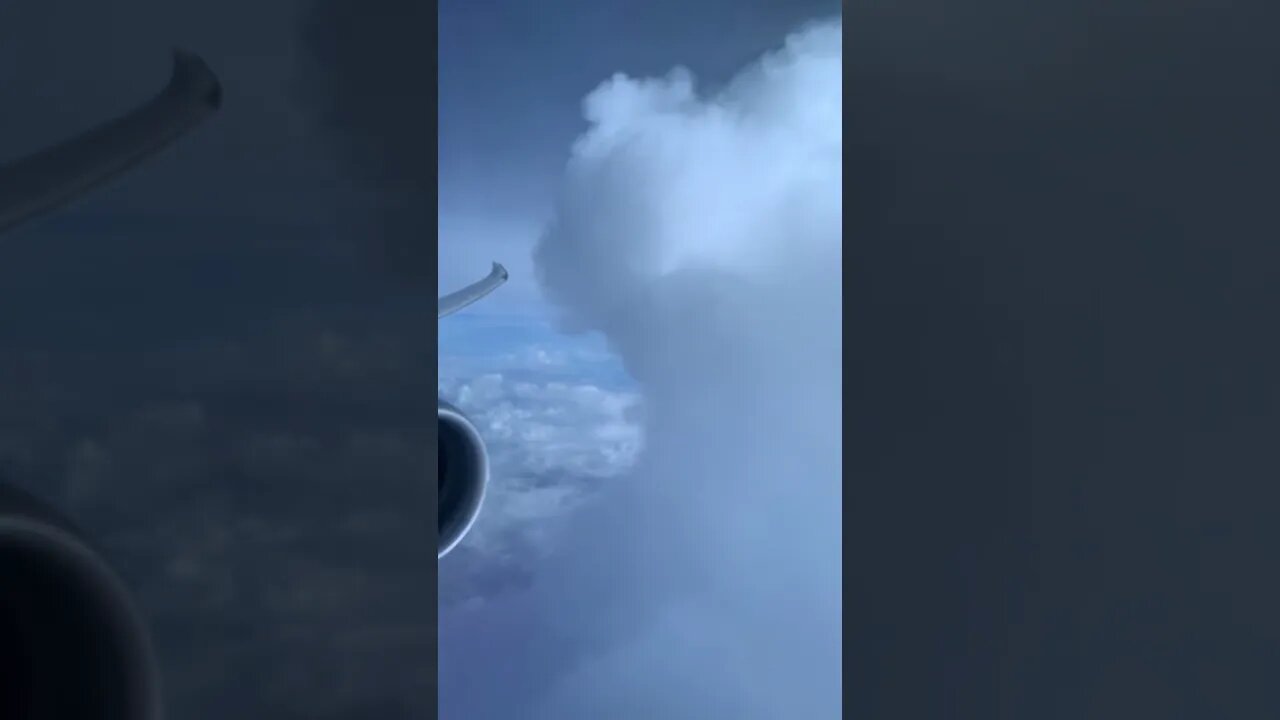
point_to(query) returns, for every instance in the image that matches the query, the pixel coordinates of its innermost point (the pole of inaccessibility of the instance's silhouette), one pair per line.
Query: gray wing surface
(57, 175)
(455, 301)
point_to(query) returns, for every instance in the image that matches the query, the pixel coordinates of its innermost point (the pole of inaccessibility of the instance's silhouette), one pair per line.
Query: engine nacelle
(462, 467)
(72, 644)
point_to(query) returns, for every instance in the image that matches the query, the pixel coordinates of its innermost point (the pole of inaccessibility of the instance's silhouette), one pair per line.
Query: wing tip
(500, 271)
(190, 70)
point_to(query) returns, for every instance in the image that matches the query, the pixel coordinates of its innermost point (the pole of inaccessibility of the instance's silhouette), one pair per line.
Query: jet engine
(72, 644)
(462, 466)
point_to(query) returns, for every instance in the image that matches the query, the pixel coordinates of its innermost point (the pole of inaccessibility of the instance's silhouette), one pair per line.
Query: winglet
(57, 175)
(191, 74)
(455, 301)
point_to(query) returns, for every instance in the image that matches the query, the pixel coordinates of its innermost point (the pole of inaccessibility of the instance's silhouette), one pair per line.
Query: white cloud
(551, 443)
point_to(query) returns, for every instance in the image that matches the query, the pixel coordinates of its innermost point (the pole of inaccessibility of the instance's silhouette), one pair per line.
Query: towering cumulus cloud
(701, 234)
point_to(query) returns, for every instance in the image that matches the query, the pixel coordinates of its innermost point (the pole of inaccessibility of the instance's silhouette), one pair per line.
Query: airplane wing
(57, 175)
(455, 301)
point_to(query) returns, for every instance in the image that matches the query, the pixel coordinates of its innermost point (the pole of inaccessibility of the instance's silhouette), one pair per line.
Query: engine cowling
(462, 467)
(72, 643)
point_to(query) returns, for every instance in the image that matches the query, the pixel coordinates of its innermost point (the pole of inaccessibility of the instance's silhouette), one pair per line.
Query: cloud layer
(700, 234)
